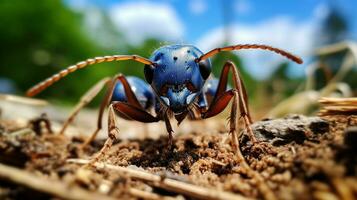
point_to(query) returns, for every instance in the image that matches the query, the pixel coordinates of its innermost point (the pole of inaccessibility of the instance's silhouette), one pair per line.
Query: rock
(288, 129)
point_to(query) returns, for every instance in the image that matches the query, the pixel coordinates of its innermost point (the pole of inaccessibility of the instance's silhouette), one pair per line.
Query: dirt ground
(297, 157)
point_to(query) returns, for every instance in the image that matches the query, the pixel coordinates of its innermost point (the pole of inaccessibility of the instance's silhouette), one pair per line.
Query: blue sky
(288, 24)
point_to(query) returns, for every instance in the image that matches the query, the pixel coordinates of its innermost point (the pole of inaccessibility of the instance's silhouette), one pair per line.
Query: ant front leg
(131, 98)
(169, 131)
(137, 113)
(240, 100)
(130, 110)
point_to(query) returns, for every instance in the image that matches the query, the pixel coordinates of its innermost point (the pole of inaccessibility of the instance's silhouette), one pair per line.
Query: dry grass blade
(339, 101)
(341, 46)
(23, 100)
(338, 106)
(165, 183)
(55, 188)
(303, 102)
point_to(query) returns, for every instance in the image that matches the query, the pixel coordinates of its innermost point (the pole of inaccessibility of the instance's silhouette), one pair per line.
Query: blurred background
(42, 37)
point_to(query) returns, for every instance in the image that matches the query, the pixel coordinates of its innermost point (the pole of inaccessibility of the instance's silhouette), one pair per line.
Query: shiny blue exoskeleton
(142, 90)
(178, 84)
(176, 81)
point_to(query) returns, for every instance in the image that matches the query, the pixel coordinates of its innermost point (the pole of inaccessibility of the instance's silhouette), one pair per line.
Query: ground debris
(312, 158)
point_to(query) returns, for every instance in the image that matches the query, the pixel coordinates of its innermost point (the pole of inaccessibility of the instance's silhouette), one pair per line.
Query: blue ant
(178, 84)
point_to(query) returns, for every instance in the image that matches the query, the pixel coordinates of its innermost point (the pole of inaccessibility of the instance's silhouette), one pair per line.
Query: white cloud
(321, 11)
(95, 23)
(197, 7)
(141, 20)
(281, 32)
(78, 5)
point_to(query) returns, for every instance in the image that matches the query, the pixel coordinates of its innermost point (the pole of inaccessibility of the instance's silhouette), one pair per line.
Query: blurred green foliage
(41, 38)
(334, 29)
(280, 85)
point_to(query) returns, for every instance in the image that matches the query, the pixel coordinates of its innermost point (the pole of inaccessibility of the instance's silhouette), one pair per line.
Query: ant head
(177, 77)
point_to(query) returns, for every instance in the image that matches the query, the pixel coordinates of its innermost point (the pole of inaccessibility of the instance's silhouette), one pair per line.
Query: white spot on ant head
(190, 98)
(165, 100)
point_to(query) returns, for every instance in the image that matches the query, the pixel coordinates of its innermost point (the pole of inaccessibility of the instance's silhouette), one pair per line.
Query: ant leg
(113, 132)
(105, 102)
(239, 96)
(233, 124)
(132, 102)
(243, 100)
(221, 98)
(141, 115)
(169, 131)
(131, 112)
(85, 99)
(130, 95)
(218, 106)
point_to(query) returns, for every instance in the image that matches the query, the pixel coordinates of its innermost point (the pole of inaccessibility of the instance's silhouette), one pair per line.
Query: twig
(24, 131)
(52, 187)
(23, 100)
(165, 183)
(338, 106)
(148, 195)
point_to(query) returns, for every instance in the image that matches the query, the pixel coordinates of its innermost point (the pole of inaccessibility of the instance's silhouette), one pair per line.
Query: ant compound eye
(205, 68)
(149, 73)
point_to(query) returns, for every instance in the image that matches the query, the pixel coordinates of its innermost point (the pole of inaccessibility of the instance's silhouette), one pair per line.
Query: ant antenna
(91, 61)
(251, 46)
